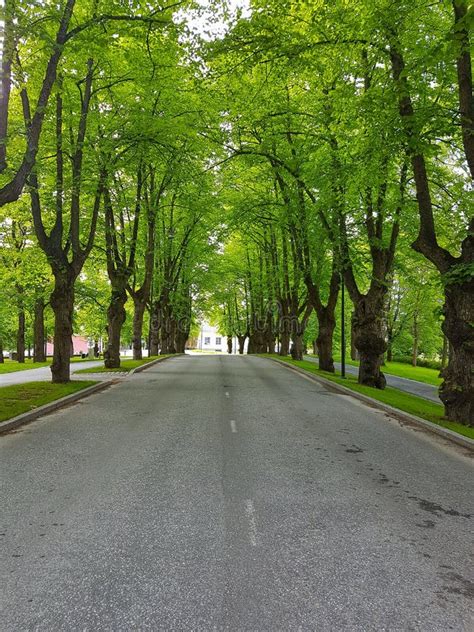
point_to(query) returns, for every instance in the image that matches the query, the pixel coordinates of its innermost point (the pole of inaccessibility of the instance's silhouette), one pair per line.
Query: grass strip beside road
(125, 365)
(10, 366)
(399, 369)
(392, 396)
(17, 399)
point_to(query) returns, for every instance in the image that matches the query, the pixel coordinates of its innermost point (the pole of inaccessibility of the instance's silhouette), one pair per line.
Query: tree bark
(241, 340)
(369, 338)
(39, 352)
(324, 341)
(20, 338)
(2, 359)
(229, 345)
(284, 343)
(62, 303)
(457, 390)
(116, 317)
(297, 346)
(138, 314)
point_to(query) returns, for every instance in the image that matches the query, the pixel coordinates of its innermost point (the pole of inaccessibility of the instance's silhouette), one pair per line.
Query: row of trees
(330, 143)
(357, 151)
(104, 181)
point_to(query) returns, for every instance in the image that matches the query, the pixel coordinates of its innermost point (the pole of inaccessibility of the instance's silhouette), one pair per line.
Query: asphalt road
(229, 493)
(43, 374)
(427, 391)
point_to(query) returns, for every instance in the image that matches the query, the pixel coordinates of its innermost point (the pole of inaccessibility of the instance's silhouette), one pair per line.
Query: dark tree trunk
(229, 344)
(39, 354)
(2, 359)
(20, 338)
(181, 338)
(354, 355)
(241, 340)
(284, 343)
(369, 338)
(62, 303)
(444, 353)
(155, 325)
(457, 390)
(324, 341)
(138, 315)
(96, 349)
(297, 346)
(116, 316)
(389, 350)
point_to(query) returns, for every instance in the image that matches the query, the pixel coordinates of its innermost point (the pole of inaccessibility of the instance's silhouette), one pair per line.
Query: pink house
(79, 345)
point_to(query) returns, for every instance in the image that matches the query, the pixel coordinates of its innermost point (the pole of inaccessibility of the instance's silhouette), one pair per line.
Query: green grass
(393, 397)
(10, 366)
(125, 365)
(419, 373)
(21, 398)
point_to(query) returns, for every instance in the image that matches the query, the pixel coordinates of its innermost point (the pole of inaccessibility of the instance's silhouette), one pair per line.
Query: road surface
(43, 374)
(427, 391)
(229, 493)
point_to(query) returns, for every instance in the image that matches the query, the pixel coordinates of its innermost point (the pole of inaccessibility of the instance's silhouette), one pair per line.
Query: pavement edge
(31, 415)
(466, 442)
(141, 368)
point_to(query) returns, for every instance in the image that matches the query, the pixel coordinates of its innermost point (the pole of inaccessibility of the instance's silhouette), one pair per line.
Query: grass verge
(399, 369)
(393, 397)
(10, 366)
(21, 398)
(125, 365)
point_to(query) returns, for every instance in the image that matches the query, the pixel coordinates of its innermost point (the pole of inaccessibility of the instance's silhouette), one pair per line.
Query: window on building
(207, 340)
(218, 340)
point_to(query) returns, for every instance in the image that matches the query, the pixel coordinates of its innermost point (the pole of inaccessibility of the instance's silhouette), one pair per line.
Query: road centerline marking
(250, 512)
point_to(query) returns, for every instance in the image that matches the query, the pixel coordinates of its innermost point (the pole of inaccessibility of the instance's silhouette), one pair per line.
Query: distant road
(403, 384)
(229, 493)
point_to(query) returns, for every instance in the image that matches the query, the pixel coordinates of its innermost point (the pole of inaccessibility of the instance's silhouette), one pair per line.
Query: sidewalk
(427, 391)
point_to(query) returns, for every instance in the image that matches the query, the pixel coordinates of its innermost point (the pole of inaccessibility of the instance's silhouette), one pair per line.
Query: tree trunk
(297, 346)
(324, 341)
(444, 353)
(241, 340)
(96, 349)
(229, 344)
(116, 316)
(284, 343)
(457, 390)
(62, 303)
(20, 338)
(354, 355)
(389, 350)
(369, 339)
(2, 359)
(138, 315)
(39, 354)
(155, 325)
(181, 338)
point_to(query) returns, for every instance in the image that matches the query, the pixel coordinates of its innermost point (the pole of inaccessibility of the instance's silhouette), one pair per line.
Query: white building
(210, 339)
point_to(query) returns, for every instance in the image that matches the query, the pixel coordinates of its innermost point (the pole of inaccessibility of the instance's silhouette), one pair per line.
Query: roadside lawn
(125, 365)
(21, 398)
(393, 397)
(418, 373)
(10, 366)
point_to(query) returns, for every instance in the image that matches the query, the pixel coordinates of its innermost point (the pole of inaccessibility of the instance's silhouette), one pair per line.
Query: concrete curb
(466, 442)
(31, 415)
(141, 368)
